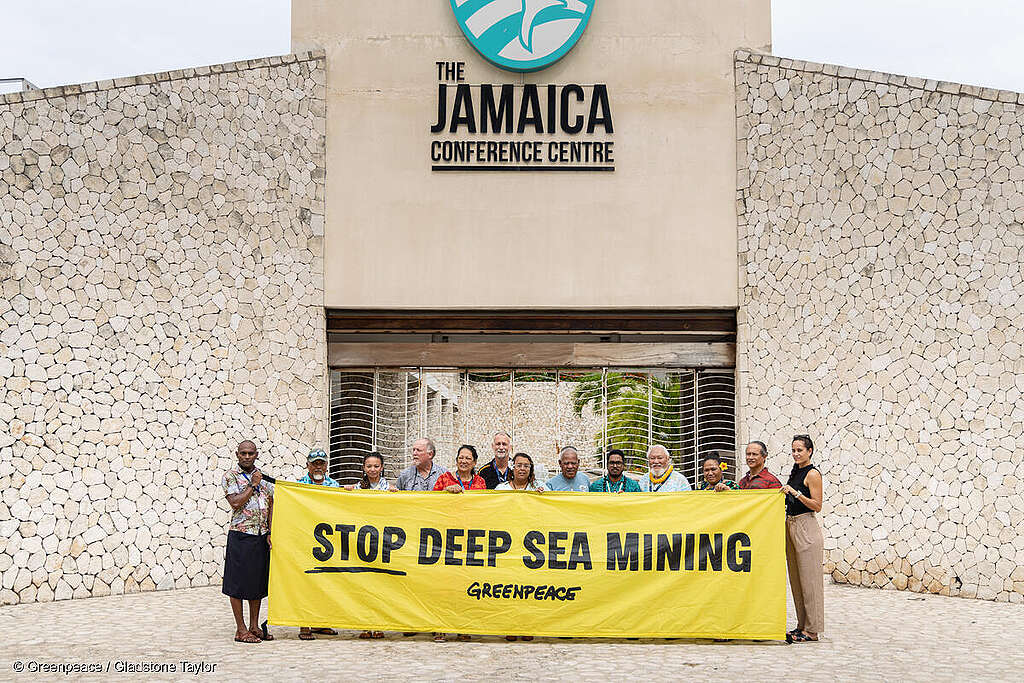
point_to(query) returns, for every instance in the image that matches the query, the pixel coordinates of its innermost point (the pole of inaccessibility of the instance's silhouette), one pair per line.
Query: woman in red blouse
(465, 477)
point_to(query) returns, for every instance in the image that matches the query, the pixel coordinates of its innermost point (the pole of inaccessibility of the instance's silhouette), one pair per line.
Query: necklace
(608, 485)
(660, 480)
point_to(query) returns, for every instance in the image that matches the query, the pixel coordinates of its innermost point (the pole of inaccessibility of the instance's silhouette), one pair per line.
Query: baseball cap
(316, 454)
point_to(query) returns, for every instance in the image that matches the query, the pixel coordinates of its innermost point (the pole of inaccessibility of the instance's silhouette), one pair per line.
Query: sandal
(365, 635)
(794, 631)
(525, 637)
(802, 638)
(440, 638)
(463, 637)
(248, 637)
(305, 634)
(378, 634)
(264, 633)
(511, 639)
(325, 631)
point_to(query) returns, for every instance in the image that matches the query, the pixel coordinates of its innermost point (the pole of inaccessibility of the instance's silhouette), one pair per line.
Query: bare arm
(238, 500)
(813, 481)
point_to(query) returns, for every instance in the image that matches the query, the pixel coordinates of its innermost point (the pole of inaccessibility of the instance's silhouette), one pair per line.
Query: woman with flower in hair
(714, 478)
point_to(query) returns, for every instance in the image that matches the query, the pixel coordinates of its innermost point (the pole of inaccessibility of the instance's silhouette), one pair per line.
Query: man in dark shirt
(498, 470)
(758, 477)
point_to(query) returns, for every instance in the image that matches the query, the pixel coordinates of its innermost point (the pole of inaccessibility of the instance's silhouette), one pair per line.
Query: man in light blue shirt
(316, 473)
(316, 469)
(661, 475)
(571, 479)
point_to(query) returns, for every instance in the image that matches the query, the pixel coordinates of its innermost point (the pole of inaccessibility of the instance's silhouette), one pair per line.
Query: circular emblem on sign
(522, 35)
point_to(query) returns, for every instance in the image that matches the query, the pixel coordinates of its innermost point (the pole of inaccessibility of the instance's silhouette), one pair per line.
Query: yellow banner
(696, 564)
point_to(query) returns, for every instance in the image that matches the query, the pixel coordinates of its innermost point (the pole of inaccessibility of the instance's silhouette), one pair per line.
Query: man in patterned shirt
(758, 477)
(713, 480)
(247, 555)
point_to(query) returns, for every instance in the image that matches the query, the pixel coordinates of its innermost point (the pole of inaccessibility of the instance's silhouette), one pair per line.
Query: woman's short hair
(711, 456)
(472, 450)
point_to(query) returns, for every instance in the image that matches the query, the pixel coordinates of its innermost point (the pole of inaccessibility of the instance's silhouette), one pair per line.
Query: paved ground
(872, 635)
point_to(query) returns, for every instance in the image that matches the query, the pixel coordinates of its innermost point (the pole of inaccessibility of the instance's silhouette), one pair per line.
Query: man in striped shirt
(758, 477)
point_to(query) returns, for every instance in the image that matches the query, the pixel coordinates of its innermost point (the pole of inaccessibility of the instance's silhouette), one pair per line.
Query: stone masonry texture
(881, 239)
(162, 272)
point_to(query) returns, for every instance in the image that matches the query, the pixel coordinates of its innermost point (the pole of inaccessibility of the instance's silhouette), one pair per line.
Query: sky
(58, 42)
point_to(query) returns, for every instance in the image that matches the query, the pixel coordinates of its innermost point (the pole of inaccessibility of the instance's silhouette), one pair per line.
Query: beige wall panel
(660, 231)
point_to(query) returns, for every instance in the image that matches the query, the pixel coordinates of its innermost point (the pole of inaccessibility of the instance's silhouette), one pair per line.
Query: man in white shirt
(661, 475)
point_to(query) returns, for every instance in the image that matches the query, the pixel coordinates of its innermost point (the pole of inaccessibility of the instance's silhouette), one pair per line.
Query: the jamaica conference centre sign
(529, 127)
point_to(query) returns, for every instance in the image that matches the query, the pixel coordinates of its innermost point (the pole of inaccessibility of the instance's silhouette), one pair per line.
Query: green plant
(642, 410)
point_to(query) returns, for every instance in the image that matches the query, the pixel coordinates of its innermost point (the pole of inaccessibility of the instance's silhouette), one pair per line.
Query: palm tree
(642, 410)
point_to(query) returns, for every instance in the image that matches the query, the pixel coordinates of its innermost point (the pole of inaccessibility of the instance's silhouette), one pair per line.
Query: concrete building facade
(187, 256)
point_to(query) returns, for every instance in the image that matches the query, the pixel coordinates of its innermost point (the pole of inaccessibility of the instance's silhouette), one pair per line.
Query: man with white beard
(661, 475)
(316, 473)
(316, 469)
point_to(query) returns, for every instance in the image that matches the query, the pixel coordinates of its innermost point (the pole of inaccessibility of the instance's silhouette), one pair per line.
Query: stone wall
(162, 273)
(544, 421)
(880, 245)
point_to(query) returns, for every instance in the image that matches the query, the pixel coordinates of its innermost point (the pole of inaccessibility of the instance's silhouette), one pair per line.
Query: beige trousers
(805, 550)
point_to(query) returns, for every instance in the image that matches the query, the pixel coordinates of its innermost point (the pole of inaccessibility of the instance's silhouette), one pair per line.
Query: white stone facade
(881, 249)
(161, 260)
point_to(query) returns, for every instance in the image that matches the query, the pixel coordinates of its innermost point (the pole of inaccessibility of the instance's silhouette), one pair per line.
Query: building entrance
(689, 411)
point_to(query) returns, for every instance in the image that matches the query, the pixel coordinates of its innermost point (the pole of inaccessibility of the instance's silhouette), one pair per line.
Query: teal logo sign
(523, 35)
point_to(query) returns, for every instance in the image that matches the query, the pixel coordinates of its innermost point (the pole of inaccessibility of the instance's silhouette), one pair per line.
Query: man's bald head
(246, 454)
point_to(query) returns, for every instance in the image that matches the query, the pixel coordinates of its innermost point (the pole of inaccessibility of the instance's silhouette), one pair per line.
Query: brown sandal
(365, 635)
(247, 638)
(305, 634)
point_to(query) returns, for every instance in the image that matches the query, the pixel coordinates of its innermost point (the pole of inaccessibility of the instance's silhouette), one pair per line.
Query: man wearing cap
(316, 469)
(316, 473)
